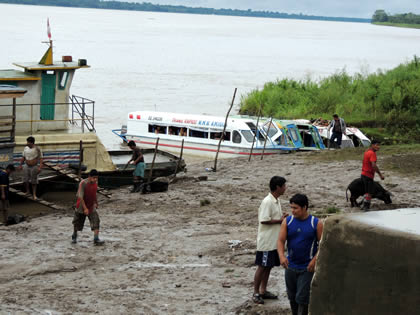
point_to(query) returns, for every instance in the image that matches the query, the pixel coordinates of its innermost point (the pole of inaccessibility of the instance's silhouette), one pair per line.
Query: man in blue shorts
(270, 218)
(138, 160)
(302, 232)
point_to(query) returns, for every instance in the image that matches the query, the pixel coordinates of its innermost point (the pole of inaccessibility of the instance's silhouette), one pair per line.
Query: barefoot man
(31, 156)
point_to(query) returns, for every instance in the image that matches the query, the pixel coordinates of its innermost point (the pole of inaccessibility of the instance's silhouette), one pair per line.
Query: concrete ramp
(369, 263)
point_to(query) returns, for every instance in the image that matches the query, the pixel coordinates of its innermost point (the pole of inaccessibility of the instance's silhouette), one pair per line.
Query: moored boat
(310, 135)
(201, 134)
(165, 164)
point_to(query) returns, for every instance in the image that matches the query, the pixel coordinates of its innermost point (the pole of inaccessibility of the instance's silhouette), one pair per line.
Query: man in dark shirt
(338, 129)
(137, 159)
(4, 190)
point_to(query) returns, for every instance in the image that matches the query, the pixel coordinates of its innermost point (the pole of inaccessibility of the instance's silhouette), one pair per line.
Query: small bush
(332, 210)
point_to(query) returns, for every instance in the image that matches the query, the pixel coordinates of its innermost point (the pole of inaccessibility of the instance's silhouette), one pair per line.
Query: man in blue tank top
(302, 232)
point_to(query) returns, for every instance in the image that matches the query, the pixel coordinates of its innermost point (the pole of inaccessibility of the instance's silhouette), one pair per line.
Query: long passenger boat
(201, 134)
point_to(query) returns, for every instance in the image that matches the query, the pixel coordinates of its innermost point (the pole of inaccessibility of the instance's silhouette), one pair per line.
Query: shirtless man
(32, 155)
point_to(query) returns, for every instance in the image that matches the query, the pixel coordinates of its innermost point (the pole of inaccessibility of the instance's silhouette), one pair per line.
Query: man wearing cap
(369, 168)
(338, 127)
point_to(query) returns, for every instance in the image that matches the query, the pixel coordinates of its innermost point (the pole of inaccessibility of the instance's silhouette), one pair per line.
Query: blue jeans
(338, 136)
(298, 285)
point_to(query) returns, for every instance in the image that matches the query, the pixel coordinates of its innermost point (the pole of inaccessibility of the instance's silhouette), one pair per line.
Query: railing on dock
(79, 106)
(82, 110)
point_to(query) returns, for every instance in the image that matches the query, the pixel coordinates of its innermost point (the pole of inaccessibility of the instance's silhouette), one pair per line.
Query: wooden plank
(38, 200)
(74, 177)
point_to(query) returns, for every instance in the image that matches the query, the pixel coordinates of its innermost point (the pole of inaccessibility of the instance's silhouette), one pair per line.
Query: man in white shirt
(31, 155)
(270, 217)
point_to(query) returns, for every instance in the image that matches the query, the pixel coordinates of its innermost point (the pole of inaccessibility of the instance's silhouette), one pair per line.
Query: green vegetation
(398, 24)
(332, 209)
(145, 6)
(385, 104)
(410, 20)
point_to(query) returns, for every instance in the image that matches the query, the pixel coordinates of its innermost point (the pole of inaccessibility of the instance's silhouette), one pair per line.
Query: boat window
(293, 134)
(365, 143)
(62, 77)
(175, 131)
(157, 129)
(198, 134)
(236, 138)
(218, 135)
(272, 131)
(248, 135)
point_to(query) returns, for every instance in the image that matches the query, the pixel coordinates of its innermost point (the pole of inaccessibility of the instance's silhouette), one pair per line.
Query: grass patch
(332, 209)
(398, 24)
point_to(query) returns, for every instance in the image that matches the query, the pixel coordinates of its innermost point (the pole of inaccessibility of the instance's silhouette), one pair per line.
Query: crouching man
(86, 207)
(302, 232)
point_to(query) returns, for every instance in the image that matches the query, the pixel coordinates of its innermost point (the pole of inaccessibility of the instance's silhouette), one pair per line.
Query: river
(192, 63)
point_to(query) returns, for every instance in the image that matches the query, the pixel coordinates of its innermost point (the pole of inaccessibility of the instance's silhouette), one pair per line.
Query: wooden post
(265, 141)
(83, 117)
(32, 113)
(80, 159)
(180, 158)
(255, 134)
(224, 130)
(12, 135)
(153, 162)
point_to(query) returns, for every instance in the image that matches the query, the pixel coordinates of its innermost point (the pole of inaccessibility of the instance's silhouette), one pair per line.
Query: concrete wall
(369, 263)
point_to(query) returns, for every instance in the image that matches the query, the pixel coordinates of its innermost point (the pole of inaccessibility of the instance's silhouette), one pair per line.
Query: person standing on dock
(270, 218)
(338, 127)
(303, 233)
(4, 190)
(31, 156)
(369, 168)
(86, 206)
(137, 159)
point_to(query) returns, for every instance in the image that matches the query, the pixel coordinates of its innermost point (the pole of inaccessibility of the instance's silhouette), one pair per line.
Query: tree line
(385, 105)
(146, 6)
(380, 16)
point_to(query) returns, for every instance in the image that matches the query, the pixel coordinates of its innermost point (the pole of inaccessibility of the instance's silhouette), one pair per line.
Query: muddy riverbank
(170, 253)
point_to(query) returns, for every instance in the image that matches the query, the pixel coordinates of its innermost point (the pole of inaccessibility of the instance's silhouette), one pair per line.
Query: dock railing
(81, 110)
(79, 106)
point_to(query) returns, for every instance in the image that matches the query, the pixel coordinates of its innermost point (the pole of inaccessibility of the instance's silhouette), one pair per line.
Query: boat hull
(201, 149)
(165, 164)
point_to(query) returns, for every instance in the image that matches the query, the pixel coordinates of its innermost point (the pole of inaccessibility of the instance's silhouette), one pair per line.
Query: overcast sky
(346, 8)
